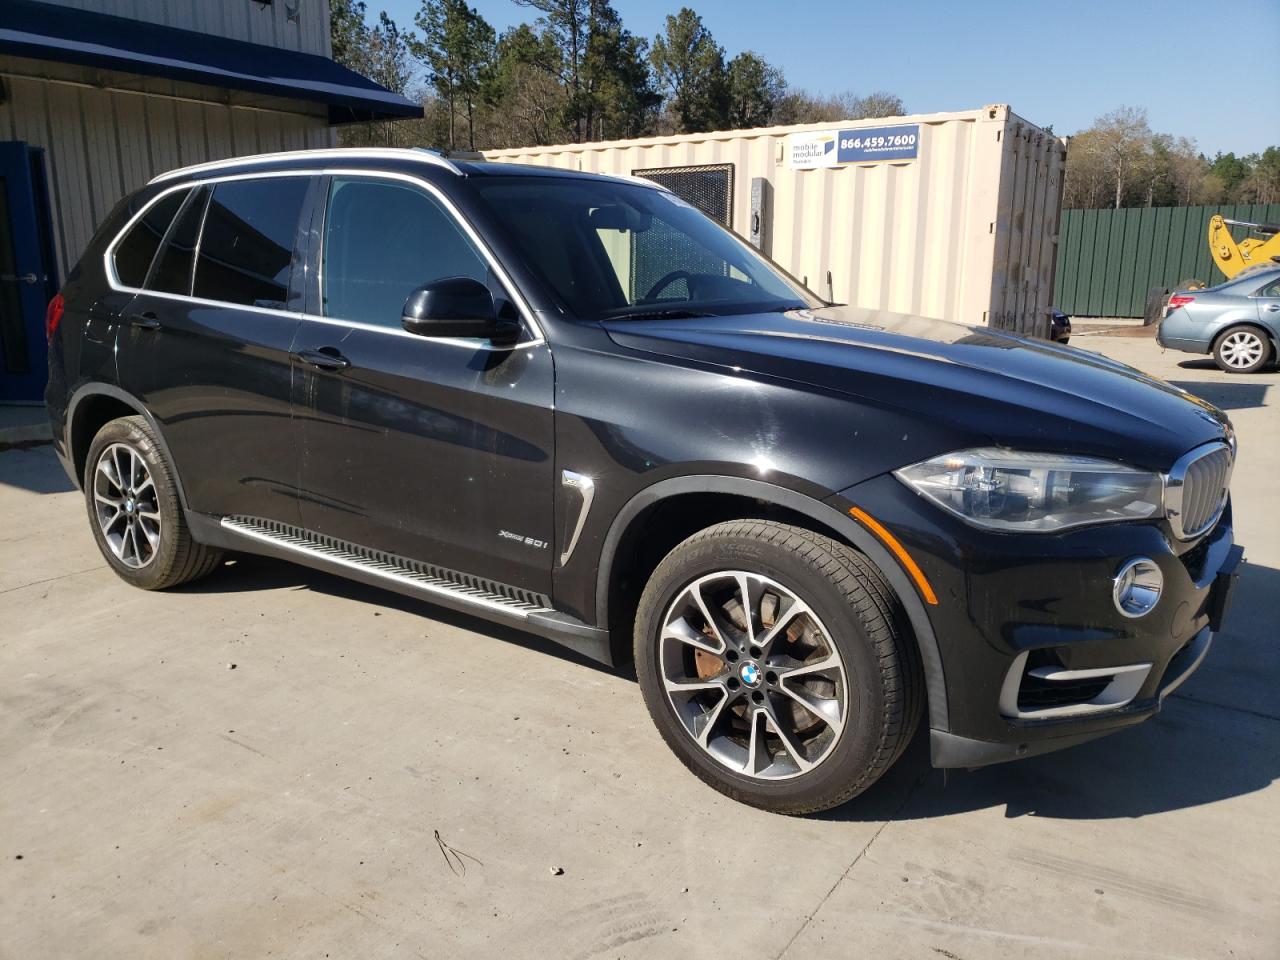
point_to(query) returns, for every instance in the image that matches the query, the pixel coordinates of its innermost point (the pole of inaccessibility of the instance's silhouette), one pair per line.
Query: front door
(439, 451)
(26, 275)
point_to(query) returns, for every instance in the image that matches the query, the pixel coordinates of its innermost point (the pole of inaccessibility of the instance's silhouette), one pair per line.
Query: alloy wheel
(1242, 349)
(753, 675)
(126, 505)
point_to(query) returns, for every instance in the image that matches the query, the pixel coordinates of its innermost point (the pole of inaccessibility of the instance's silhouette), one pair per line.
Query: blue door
(26, 274)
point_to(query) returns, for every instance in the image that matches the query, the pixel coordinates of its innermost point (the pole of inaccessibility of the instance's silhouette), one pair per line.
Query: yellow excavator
(1232, 257)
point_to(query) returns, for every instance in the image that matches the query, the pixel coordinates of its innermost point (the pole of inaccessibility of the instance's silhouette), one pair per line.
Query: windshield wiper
(662, 313)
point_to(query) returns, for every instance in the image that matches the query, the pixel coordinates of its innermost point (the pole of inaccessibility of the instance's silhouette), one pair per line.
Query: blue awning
(67, 35)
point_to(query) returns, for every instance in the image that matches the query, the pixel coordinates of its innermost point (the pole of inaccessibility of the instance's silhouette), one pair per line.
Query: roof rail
(389, 153)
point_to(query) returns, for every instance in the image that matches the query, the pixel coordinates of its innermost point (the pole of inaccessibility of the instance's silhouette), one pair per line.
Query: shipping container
(949, 215)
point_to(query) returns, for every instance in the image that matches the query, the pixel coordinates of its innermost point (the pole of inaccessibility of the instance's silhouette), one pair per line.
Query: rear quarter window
(137, 248)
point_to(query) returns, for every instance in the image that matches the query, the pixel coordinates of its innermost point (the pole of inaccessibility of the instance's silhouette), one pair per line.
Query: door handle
(145, 321)
(326, 358)
(1273, 306)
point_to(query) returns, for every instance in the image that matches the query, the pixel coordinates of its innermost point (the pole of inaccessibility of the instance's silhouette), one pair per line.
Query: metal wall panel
(237, 19)
(967, 231)
(102, 143)
(1111, 259)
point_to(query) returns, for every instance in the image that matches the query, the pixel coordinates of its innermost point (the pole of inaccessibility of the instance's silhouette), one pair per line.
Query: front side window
(613, 250)
(246, 248)
(383, 240)
(134, 253)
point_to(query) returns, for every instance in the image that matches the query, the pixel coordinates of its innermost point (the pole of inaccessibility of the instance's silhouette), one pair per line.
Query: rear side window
(134, 253)
(172, 273)
(1270, 290)
(246, 249)
(382, 240)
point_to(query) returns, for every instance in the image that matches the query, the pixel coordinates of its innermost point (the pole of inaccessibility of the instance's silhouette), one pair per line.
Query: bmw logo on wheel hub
(750, 674)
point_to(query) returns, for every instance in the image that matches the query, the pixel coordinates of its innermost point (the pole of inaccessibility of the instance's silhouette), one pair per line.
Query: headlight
(1035, 492)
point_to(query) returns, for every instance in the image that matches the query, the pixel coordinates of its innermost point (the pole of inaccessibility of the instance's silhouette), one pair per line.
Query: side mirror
(456, 307)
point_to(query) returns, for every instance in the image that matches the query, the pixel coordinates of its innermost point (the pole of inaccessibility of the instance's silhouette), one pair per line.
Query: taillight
(53, 316)
(1180, 300)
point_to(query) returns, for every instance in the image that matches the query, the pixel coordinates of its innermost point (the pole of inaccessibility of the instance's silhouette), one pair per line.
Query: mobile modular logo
(831, 148)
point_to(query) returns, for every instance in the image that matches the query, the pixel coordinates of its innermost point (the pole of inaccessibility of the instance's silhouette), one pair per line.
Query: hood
(1015, 391)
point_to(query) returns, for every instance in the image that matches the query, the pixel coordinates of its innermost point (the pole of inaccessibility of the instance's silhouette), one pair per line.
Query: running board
(526, 609)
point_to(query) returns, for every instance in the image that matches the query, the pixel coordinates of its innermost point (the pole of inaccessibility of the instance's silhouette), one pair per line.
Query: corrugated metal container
(960, 223)
(101, 141)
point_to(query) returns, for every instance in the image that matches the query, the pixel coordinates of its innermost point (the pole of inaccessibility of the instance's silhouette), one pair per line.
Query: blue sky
(1199, 68)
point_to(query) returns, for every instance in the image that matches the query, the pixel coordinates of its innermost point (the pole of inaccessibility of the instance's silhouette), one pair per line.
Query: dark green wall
(1108, 260)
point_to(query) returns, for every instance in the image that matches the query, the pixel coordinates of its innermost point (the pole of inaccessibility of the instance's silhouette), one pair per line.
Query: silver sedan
(1238, 322)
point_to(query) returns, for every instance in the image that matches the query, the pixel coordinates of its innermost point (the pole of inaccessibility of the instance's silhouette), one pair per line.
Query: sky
(1202, 70)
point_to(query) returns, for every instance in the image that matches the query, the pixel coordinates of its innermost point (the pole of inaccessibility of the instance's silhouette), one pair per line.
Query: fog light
(1137, 587)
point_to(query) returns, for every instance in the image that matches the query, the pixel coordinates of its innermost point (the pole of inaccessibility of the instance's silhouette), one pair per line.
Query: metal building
(948, 215)
(99, 96)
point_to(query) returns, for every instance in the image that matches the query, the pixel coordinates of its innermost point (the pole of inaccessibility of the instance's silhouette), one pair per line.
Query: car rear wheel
(1242, 350)
(134, 511)
(777, 665)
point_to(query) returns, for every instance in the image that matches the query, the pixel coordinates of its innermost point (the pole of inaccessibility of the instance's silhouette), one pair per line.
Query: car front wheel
(777, 665)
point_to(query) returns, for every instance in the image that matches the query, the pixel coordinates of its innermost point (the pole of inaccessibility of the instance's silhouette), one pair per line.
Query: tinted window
(246, 250)
(134, 253)
(612, 250)
(382, 240)
(172, 273)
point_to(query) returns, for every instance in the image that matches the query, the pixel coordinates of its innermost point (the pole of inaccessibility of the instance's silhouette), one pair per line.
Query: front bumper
(1013, 605)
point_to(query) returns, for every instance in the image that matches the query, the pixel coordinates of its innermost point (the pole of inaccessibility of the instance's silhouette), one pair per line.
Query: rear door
(206, 344)
(435, 450)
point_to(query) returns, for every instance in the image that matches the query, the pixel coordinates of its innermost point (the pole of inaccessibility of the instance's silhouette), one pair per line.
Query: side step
(426, 578)
(503, 603)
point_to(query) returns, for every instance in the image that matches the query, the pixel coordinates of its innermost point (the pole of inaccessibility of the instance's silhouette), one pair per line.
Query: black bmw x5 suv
(575, 404)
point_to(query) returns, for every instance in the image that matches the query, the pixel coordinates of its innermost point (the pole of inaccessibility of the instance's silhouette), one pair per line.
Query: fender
(844, 526)
(98, 389)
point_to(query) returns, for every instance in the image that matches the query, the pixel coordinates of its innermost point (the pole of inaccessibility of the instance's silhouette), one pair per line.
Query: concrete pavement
(275, 762)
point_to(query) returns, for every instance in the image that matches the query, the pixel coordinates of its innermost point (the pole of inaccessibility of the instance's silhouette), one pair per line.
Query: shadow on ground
(1196, 751)
(248, 573)
(26, 466)
(1217, 737)
(1237, 395)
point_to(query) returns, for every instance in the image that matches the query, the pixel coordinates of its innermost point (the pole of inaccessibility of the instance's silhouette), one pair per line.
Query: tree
(1230, 169)
(1124, 141)
(348, 33)
(600, 65)
(689, 66)
(754, 90)
(1262, 184)
(458, 46)
(801, 106)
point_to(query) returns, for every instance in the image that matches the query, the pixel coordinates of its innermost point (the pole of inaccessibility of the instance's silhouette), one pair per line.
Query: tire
(726, 693)
(1241, 350)
(140, 527)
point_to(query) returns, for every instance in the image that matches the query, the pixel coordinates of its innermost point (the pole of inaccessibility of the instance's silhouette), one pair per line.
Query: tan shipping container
(965, 229)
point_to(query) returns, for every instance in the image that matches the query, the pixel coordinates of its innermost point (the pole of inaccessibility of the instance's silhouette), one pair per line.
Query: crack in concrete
(852, 863)
(1225, 706)
(62, 576)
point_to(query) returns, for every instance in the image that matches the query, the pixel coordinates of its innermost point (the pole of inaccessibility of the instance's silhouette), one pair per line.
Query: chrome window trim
(1174, 489)
(526, 312)
(357, 153)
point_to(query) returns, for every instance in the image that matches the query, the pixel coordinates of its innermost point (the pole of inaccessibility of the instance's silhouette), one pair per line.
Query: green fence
(1108, 260)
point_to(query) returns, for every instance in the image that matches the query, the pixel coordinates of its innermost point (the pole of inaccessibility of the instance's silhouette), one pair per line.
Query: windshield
(613, 250)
